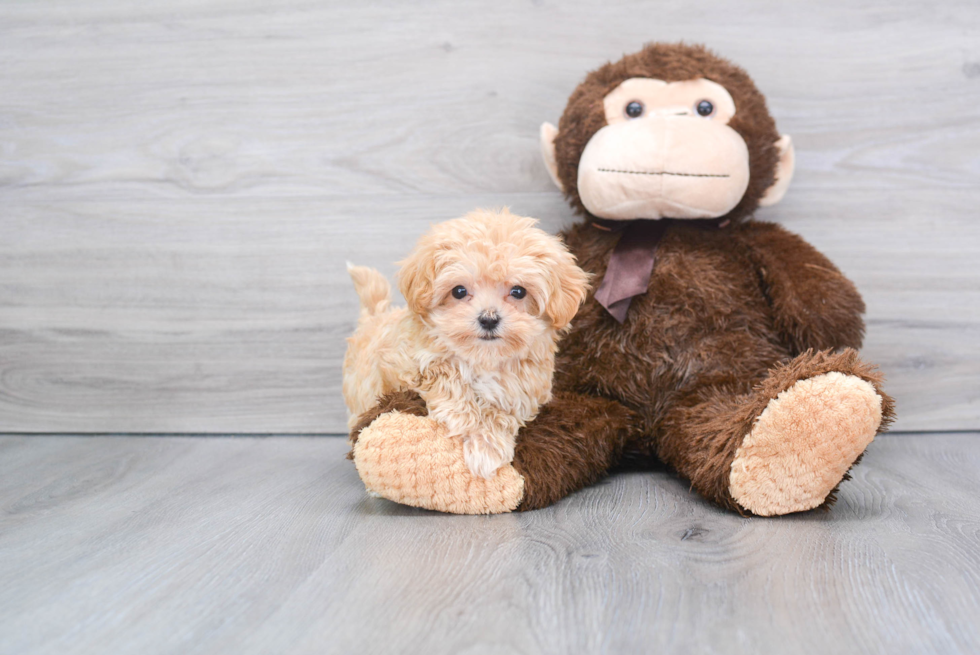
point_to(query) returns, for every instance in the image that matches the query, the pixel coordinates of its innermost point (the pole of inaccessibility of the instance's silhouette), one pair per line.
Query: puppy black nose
(488, 321)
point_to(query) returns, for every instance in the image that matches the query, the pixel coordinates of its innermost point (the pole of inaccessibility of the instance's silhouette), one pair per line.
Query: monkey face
(666, 150)
(672, 131)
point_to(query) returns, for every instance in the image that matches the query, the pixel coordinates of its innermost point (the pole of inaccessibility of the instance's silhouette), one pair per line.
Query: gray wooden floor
(269, 545)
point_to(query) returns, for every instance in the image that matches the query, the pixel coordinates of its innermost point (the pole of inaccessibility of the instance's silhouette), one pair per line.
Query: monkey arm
(814, 305)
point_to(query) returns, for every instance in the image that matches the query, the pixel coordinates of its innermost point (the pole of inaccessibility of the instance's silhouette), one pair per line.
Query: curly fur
(482, 383)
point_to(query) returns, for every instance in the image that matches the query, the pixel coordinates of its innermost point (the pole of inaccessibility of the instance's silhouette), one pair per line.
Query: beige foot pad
(410, 460)
(803, 443)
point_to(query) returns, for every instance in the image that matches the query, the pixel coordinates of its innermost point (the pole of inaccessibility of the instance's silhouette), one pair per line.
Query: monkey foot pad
(803, 443)
(417, 464)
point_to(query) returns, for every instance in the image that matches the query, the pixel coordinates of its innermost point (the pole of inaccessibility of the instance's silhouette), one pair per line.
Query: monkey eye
(634, 109)
(705, 108)
(459, 292)
(518, 292)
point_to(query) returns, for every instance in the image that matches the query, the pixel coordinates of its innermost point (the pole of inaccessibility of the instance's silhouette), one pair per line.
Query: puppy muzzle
(489, 321)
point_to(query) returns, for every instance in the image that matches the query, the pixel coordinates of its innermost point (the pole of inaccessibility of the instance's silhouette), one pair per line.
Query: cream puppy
(489, 295)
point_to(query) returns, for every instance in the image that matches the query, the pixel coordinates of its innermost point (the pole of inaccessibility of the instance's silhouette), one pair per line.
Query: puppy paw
(483, 456)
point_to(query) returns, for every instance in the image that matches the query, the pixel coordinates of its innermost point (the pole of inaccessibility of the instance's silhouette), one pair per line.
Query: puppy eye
(705, 108)
(634, 109)
(459, 292)
(518, 292)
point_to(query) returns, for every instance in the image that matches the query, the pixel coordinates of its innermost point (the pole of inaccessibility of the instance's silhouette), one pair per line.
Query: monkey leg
(785, 445)
(572, 443)
(404, 456)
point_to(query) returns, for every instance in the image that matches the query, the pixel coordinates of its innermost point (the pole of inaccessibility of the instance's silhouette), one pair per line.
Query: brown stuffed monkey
(719, 345)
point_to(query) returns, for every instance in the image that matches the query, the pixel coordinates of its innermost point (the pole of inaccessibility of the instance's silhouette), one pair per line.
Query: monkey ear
(548, 134)
(784, 172)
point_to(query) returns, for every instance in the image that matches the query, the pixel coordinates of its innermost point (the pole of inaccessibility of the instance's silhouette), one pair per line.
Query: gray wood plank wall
(181, 183)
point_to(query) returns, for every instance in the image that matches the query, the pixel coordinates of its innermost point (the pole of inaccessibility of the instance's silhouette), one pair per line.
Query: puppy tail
(371, 287)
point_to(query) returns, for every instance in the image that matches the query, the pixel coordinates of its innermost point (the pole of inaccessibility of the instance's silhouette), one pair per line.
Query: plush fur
(397, 460)
(483, 362)
(803, 443)
(732, 319)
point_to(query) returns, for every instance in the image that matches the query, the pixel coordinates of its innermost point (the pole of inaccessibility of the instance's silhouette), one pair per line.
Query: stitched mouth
(614, 170)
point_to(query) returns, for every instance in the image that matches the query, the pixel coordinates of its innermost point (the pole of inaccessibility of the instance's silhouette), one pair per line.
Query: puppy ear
(416, 279)
(569, 287)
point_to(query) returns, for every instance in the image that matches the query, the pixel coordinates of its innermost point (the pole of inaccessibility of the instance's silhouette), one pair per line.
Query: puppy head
(491, 284)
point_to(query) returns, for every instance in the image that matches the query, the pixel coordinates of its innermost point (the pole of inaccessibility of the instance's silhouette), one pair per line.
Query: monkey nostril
(488, 321)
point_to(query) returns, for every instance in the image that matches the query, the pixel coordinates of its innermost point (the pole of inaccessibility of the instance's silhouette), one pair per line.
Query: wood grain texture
(257, 545)
(180, 185)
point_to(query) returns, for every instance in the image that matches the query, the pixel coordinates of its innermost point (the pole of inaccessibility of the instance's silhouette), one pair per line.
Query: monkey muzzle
(663, 166)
